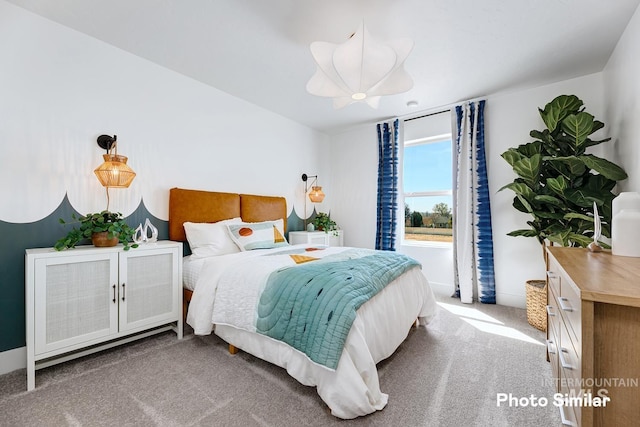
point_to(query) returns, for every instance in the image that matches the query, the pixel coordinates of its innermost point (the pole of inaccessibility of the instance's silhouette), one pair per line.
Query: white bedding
(191, 267)
(226, 295)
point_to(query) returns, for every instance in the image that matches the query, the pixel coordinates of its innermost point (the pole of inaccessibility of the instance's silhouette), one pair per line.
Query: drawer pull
(563, 362)
(549, 344)
(549, 312)
(563, 418)
(552, 275)
(562, 301)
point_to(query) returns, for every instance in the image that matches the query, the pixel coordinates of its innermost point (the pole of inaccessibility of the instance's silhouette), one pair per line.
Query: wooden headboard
(210, 206)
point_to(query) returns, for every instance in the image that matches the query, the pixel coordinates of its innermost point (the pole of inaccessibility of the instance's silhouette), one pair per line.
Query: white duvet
(227, 290)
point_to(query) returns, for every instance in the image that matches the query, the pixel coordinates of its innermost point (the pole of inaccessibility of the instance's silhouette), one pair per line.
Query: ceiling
(258, 50)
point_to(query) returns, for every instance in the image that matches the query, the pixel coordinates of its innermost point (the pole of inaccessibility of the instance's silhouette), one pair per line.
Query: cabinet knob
(549, 348)
(563, 361)
(549, 312)
(562, 301)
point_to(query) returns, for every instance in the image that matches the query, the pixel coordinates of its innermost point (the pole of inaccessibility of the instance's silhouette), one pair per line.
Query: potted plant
(104, 229)
(323, 222)
(557, 182)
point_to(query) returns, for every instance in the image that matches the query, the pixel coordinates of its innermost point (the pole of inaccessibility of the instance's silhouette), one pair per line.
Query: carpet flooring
(448, 373)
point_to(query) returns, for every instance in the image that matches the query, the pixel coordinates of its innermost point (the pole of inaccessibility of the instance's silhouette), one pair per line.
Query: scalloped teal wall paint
(16, 238)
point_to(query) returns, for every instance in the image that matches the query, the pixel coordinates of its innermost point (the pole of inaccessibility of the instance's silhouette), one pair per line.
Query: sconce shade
(114, 172)
(361, 69)
(316, 195)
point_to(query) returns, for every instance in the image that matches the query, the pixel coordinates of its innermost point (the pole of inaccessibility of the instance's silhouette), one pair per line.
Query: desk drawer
(553, 343)
(568, 414)
(553, 314)
(553, 276)
(570, 307)
(571, 369)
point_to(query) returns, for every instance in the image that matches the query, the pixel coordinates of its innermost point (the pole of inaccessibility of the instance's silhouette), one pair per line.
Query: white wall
(622, 100)
(61, 89)
(354, 170)
(509, 118)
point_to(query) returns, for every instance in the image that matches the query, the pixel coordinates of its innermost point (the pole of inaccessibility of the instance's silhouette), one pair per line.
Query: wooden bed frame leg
(416, 323)
(186, 299)
(233, 349)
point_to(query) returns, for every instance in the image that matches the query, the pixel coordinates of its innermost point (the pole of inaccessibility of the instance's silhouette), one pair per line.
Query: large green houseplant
(111, 225)
(558, 183)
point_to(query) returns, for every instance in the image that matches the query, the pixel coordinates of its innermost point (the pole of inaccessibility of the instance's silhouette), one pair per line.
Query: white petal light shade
(361, 69)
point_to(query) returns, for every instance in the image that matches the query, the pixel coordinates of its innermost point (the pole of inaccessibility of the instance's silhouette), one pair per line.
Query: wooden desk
(594, 333)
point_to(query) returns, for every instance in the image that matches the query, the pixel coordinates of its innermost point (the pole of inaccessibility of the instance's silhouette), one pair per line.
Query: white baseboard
(441, 289)
(12, 360)
(510, 300)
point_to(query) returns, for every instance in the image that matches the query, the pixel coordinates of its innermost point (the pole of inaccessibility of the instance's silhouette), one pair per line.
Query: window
(427, 180)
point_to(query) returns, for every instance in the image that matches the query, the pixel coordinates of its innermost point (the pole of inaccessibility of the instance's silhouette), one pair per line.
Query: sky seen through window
(425, 170)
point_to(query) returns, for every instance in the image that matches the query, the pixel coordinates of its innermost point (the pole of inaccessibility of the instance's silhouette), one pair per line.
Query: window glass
(427, 181)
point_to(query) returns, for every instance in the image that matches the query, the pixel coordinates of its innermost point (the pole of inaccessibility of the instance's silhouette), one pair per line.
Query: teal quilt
(312, 306)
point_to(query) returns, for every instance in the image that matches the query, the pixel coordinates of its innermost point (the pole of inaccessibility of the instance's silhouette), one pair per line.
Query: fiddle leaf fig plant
(558, 181)
(111, 222)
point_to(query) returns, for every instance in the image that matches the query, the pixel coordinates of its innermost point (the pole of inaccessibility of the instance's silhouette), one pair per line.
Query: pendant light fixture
(316, 195)
(360, 70)
(114, 172)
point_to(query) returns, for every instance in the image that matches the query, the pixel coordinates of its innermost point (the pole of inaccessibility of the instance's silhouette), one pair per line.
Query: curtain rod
(442, 109)
(426, 115)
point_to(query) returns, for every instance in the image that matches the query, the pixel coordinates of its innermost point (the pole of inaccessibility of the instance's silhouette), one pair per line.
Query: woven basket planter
(536, 292)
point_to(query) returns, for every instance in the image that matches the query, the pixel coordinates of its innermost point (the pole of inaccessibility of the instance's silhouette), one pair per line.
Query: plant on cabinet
(104, 229)
(323, 222)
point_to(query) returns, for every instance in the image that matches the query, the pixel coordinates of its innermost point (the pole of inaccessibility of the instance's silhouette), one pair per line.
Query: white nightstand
(332, 238)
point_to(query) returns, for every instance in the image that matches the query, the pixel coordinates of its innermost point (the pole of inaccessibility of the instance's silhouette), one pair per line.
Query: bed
(225, 288)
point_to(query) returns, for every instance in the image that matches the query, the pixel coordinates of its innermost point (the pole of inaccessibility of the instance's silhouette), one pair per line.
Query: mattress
(380, 326)
(191, 267)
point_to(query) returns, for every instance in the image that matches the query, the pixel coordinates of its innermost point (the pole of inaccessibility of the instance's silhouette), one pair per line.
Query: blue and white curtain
(387, 185)
(473, 240)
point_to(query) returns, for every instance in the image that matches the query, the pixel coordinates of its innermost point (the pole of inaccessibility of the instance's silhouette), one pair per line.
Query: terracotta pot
(100, 239)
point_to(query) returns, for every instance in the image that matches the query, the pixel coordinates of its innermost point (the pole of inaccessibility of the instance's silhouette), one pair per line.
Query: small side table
(332, 238)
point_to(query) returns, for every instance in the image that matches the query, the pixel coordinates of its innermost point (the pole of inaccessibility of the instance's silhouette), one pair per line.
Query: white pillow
(258, 235)
(210, 238)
